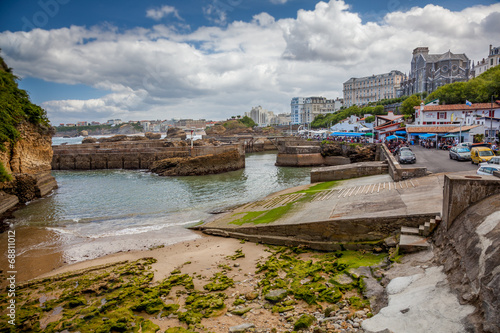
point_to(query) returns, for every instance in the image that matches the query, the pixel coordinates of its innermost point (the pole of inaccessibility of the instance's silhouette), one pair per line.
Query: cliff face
(32, 153)
(470, 253)
(25, 146)
(28, 160)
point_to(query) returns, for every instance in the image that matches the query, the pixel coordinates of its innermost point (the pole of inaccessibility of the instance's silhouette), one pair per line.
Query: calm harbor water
(94, 213)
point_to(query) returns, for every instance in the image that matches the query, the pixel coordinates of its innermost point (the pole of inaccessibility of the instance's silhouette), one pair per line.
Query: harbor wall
(127, 155)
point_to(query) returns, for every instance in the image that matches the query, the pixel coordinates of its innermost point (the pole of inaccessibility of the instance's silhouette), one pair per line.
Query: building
(114, 122)
(364, 90)
(260, 116)
(305, 109)
(386, 125)
(490, 62)
(190, 123)
(430, 71)
(486, 115)
(297, 107)
(281, 119)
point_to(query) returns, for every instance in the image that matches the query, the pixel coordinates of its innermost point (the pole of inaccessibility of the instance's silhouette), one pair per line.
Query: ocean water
(94, 213)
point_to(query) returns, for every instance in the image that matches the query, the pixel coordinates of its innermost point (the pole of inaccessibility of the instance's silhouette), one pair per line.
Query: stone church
(430, 71)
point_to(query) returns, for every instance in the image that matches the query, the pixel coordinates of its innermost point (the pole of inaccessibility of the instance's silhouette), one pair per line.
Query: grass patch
(320, 187)
(264, 217)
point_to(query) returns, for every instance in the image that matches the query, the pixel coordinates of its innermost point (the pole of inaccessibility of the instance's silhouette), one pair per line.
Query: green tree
(247, 121)
(15, 107)
(407, 107)
(370, 119)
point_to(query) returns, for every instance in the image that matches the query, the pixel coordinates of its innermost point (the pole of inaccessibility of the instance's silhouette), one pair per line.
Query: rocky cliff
(200, 165)
(470, 252)
(25, 147)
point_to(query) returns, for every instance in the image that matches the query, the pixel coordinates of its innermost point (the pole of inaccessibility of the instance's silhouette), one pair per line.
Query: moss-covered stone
(304, 322)
(219, 282)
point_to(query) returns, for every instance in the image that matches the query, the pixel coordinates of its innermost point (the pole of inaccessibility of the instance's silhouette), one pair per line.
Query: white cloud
(279, 2)
(215, 72)
(158, 14)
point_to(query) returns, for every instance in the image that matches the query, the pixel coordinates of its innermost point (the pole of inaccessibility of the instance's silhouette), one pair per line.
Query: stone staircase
(415, 239)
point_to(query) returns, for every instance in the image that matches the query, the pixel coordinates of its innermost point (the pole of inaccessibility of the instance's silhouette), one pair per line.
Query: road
(436, 161)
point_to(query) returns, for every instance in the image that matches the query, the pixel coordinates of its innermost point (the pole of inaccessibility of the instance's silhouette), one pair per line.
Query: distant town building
(95, 123)
(431, 71)
(490, 62)
(82, 123)
(305, 109)
(114, 122)
(191, 123)
(260, 116)
(368, 89)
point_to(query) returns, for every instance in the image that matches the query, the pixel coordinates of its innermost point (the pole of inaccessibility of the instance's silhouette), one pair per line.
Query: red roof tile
(459, 107)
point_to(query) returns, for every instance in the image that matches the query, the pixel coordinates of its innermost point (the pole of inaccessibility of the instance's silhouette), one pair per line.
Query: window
(441, 115)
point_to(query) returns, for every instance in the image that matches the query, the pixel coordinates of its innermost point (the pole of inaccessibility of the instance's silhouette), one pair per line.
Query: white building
(305, 109)
(297, 106)
(368, 89)
(490, 62)
(486, 115)
(261, 116)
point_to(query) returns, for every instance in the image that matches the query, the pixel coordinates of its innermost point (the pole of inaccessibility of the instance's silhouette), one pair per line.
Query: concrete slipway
(353, 212)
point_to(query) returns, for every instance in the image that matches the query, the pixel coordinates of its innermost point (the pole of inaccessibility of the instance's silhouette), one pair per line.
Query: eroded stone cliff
(28, 161)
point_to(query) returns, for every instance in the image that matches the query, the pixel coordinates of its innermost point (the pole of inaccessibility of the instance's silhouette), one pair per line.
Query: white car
(486, 169)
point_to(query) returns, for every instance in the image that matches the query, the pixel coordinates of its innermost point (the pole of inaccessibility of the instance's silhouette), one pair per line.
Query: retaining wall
(330, 235)
(348, 171)
(396, 171)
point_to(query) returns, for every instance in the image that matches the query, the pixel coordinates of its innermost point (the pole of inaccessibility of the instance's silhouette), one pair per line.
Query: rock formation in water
(200, 165)
(25, 146)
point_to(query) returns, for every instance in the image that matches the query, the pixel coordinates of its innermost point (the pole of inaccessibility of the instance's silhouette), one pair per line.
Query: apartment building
(305, 109)
(368, 89)
(485, 64)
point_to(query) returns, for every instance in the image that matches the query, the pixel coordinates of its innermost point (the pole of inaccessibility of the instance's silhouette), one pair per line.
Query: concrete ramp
(355, 213)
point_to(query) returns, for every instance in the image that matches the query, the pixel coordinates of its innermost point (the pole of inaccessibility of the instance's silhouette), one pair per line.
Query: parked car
(406, 156)
(495, 160)
(488, 169)
(460, 153)
(481, 154)
(465, 144)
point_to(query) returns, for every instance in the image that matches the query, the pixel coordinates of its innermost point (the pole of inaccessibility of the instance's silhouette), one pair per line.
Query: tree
(369, 119)
(407, 107)
(246, 120)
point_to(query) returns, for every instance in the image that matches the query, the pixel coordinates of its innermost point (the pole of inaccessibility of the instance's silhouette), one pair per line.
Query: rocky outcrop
(215, 130)
(28, 160)
(200, 165)
(176, 133)
(469, 249)
(152, 136)
(354, 151)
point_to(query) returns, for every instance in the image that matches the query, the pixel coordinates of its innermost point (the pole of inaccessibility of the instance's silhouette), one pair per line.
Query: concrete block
(427, 228)
(421, 230)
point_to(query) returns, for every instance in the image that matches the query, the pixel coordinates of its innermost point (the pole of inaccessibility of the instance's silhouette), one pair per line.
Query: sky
(96, 60)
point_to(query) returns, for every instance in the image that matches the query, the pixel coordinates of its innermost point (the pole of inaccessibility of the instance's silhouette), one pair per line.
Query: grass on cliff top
(272, 215)
(15, 107)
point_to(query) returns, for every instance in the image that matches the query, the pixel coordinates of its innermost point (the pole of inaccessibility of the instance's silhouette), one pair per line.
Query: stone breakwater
(128, 154)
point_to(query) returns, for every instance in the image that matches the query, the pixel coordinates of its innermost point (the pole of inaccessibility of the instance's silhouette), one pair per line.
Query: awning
(426, 136)
(368, 134)
(353, 134)
(393, 137)
(450, 135)
(400, 132)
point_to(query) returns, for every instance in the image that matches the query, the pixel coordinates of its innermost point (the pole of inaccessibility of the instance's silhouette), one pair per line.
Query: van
(480, 154)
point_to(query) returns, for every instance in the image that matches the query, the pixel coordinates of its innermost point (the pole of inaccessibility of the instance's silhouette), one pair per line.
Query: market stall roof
(393, 137)
(354, 134)
(450, 135)
(426, 136)
(401, 132)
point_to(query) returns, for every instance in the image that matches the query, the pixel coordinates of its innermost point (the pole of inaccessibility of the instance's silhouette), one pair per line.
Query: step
(409, 231)
(410, 244)
(438, 219)
(421, 230)
(427, 228)
(433, 225)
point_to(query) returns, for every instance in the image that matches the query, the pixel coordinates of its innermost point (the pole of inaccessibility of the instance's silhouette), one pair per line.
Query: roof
(390, 116)
(384, 126)
(439, 129)
(460, 107)
(445, 56)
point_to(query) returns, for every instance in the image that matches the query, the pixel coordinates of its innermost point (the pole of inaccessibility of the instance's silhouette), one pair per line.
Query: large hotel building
(364, 90)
